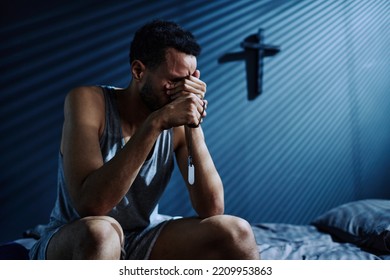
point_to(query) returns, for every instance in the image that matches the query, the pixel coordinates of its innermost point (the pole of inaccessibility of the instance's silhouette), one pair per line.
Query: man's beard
(149, 97)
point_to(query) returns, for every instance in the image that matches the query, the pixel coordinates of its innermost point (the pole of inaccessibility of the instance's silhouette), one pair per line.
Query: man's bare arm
(207, 196)
(96, 188)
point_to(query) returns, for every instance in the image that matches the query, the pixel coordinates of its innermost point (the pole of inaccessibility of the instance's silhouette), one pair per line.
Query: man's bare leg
(95, 238)
(217, 237)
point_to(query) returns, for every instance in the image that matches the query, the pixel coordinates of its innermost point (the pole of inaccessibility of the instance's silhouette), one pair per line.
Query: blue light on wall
(320, 136)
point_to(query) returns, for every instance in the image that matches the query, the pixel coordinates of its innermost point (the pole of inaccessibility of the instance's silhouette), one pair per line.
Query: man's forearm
(104, 188)
(207, 192)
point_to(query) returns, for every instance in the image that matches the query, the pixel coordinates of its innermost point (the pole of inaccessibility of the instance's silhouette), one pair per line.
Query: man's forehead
(180, 64)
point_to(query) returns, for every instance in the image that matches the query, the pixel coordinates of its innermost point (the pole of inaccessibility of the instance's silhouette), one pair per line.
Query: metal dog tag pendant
(191, 172)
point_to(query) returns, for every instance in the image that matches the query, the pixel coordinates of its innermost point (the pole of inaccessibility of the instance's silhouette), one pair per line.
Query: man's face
(177, 66)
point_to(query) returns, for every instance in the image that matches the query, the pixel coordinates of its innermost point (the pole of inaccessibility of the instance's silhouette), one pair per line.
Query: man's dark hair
(152, 40)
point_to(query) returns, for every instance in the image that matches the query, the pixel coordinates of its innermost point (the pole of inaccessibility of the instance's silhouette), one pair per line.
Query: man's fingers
(199, 84)
(189, 85)
(196, 74)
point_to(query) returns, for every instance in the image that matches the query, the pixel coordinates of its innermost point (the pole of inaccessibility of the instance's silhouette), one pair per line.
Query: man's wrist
(156, 122)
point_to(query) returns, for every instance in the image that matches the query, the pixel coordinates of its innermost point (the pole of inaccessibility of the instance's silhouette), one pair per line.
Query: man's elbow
(215, 209)
(90, 211)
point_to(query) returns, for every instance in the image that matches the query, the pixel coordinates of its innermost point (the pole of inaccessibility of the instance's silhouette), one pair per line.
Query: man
(116, 158)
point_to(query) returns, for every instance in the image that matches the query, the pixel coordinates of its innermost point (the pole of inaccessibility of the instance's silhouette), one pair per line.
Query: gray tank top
(139, 207)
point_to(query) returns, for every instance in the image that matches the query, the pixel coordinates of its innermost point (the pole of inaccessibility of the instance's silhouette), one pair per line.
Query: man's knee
(101, 235)
(235, 237)
(104, 225)
(234, 229)
(101, 228)
(88, 238)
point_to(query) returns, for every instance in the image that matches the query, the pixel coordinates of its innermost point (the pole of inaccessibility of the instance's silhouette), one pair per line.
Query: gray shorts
(138, 244)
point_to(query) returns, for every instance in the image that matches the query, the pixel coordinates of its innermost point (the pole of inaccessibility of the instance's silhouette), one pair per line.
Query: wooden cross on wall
(253, 54)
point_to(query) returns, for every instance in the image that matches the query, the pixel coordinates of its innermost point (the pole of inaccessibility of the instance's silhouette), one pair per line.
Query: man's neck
(132, 110)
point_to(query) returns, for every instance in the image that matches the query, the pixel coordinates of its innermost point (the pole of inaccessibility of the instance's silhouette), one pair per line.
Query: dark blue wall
(318, 136)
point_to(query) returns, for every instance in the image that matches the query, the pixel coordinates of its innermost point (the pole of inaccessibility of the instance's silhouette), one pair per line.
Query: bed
(358, 230)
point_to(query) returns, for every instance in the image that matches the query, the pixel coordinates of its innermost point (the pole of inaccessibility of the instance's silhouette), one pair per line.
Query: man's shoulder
(86, 103)
(85, 91)
(85, 95)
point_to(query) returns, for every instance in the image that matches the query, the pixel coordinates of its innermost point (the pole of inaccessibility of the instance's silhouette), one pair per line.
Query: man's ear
(137, 70)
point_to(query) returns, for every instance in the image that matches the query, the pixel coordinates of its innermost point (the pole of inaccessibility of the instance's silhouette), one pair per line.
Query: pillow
(365, 223)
